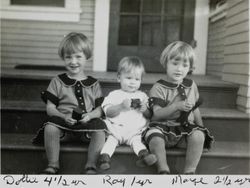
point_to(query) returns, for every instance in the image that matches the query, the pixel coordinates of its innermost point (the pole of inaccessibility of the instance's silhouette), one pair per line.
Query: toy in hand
(77, 114)
(135, 103)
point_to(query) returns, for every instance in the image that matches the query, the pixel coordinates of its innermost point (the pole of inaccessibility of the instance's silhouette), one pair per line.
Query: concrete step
(19, 156)
(27, 117)
(19, 84)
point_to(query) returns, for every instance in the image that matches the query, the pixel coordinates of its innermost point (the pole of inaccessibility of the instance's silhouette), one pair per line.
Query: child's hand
(85, 118)
(126, 104)
(70, 121)
(184, 105)
(143, 106)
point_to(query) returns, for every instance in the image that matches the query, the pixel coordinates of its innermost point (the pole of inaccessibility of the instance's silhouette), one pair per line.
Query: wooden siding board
(237, 48)
(235, 78)
(237, 58)
(234, 10)
(236, 19)
(36, 42)
(237, 38)
(233, 3)
(237, 68)
(238, 28)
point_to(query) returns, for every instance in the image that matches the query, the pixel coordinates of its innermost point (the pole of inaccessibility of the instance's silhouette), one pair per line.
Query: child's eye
(67, 57)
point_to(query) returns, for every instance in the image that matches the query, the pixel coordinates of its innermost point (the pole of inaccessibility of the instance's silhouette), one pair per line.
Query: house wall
(215, 49)
(36, 42)
(236, 56)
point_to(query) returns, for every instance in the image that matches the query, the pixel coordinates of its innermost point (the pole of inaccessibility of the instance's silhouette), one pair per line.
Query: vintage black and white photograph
(125, 87)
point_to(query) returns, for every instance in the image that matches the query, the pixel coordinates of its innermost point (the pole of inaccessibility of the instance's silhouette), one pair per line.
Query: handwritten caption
(124, 181)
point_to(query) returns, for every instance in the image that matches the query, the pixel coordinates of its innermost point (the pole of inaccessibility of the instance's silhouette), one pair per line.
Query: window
(150, 22)
(45, 10)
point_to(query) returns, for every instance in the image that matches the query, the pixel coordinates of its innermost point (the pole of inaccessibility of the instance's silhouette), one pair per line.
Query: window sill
(40, 13)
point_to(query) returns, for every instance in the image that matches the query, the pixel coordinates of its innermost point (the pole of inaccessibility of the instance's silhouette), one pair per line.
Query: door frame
(101, 35)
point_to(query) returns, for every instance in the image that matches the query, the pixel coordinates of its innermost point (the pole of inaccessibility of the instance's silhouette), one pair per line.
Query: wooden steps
(224, 124)
(230, 158)
(18, 84)
(22, 113)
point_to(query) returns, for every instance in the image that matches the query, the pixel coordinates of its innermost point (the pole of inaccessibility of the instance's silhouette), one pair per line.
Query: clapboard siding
(238, 28)
(236, 61)
(36, 42)
(215, 50)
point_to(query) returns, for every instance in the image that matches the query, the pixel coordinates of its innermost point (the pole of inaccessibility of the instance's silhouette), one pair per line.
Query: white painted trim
(218, 13)
(201, 35)
(70, 13)
(101, 31)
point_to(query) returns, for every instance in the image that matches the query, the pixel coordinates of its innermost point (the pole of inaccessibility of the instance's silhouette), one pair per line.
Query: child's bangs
(72, 47)
(180, 53)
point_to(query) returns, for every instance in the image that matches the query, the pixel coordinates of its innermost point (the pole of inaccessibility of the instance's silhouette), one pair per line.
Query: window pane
(171, 30)
(129, 29)
(152, 6)
(151, 31)
(130, 5)
(49, 3)
(173, 7)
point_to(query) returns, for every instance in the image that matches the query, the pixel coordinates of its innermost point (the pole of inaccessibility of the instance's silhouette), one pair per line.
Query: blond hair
(75, 42)
(130, 64)
(177, 49)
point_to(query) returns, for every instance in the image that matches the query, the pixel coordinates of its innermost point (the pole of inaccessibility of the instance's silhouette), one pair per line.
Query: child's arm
(96, 113)
(145, 111)
(166, 112)
(197, 117)
(115, 110)
(52, 111)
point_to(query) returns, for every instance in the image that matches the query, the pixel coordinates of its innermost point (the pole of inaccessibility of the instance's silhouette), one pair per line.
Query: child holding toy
(73, 104)
(176, 120)
(125, 110)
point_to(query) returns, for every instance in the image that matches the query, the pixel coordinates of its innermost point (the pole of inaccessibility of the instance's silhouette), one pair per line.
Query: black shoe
(146, 159)
(104, 161)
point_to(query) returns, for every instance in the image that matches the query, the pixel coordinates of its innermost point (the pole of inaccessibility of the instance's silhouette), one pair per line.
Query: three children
(74, 104)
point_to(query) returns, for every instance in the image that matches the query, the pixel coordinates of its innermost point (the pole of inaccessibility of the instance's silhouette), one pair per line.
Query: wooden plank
(241, 17)
(237, 58)
(243, 101)
(238, 68)
(27, 55)
(237, 28)
(28, 49)
(237, 48)
(232, 3)
(45, 25)
(235, 78)
(36, 37)
(239, 7)
(237, 38)
(25, 43)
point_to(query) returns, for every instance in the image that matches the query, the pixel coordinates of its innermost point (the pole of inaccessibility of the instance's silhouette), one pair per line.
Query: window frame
(70, 13)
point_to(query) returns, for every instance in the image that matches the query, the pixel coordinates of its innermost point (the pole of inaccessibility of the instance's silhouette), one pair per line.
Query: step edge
(207, 113)
(214, 152)
(108, 77)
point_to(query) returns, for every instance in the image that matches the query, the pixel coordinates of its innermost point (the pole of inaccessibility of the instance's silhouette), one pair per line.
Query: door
(144, 27)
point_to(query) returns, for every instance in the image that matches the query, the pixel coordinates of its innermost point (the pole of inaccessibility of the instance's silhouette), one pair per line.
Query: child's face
(177, 69)
(130, 81)
(75, 63)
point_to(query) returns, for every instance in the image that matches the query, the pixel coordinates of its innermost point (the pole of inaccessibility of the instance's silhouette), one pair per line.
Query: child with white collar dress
(125, 111)
(176, 120)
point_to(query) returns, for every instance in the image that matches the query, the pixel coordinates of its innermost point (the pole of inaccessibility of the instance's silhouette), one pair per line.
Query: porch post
(101, 30)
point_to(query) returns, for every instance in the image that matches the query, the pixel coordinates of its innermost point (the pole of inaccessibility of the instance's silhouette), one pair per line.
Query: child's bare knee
(51, 129)
(197, 136)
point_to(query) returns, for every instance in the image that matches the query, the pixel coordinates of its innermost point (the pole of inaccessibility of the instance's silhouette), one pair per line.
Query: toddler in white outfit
(126, 111)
